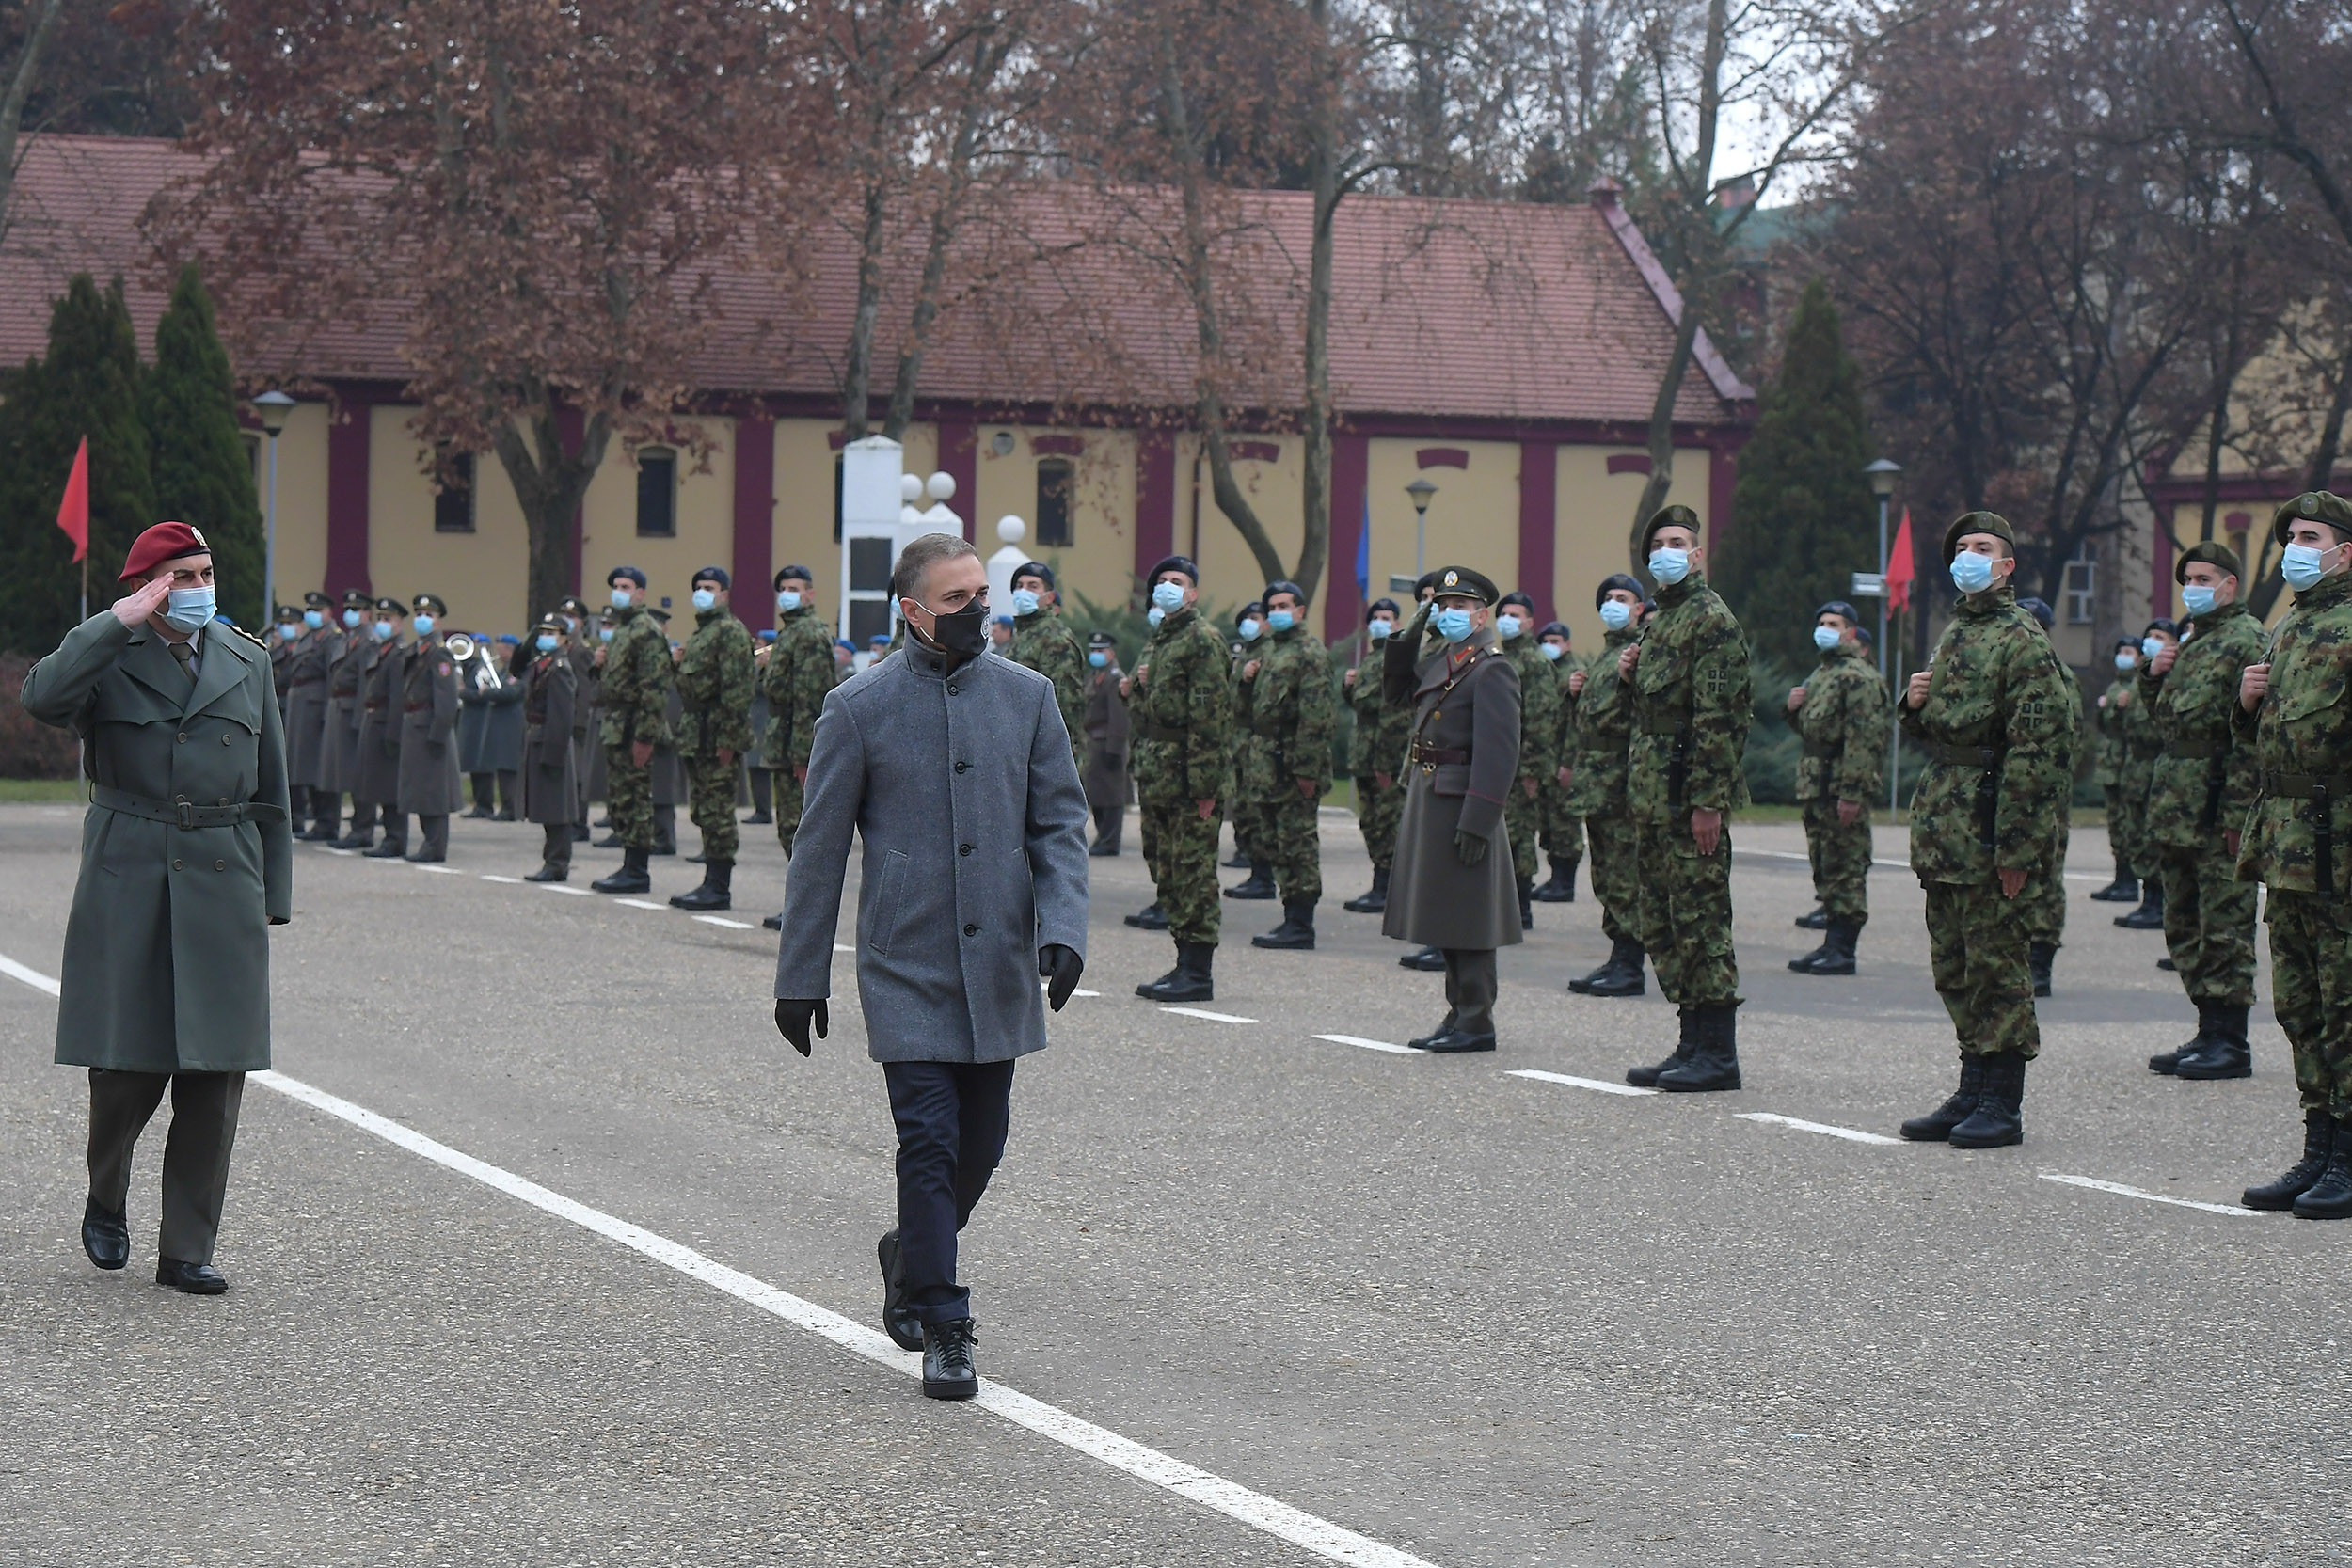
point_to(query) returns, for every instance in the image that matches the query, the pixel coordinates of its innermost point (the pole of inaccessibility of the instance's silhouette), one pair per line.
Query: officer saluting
(1449, 888)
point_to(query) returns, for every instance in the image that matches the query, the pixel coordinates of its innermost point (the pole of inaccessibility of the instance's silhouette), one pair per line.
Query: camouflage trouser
(2127, 823)
(1841, 861)
(629, 798)
(1616, 877)
(1181, 850)
(1522, 819)
(1563, 830)
(788, 808)
(2209, 922)
(710, 801)
(1253, 834)
(1976, 952)
(2310, 990)
(1686, 914)
(1377, 812)
(1288, 830)
(2043, 904)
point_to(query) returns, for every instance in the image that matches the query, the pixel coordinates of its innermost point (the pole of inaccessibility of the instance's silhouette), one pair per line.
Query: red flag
(1900, 570)
(73, 511)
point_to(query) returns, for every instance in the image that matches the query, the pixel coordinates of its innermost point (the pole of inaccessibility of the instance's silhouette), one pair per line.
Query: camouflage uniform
(1596, 791)
(2200, 785)
(799, 673)
(1539, 752)
(1253, 829)
(2128, 746)
(1291, 719)
(1183, 711)
(1562, 840)
(1843, 722)
(1377, 751)
(636, 700)
(1043, 642)
(714, 679)
(2043, 902)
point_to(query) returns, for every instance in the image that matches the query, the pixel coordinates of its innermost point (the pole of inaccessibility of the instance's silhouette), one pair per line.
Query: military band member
(796, 674)
(1181, 703)
(1596, 789)
(1107, 741)
(386, 681)
(489, 733)
(1842, 713)
(1042, 642)
(431, 787)
(2124, 727)
(1563, 838)
(346, 712)
(553, 717)
(1285, 757)
(1376, 754)
(2146, 745)
(638, 680)
(714, 681)
(1451, 885)
(2044, 910)
(1539, 739)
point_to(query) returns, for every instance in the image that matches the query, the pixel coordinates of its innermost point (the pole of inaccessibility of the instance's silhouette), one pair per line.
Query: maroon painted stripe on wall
(1342, 605)
(1629, 463)
(1155, 499)
(1722, 471)
(1441, 458)
(1539, 484)
(347, 446)
(754, 521)
(959, 460)
(1057, 446)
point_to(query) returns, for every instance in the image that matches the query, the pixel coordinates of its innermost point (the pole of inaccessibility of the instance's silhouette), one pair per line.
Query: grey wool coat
(1469, 713)
(553, 720)
(429, 785)
(960, 784)
(167, 950)
(382, 679)
(346, 699)
(307, 670)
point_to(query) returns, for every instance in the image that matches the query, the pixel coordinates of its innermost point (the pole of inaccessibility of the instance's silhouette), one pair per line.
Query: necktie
(186, 655)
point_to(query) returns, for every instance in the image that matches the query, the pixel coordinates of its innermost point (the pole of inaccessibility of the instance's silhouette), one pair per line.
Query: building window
(1055, 477)
(453, 503)
(2082, 581)
(657, 493)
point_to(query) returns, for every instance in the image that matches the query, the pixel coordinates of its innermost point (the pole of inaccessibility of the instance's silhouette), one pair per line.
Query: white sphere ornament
(1010, 529)
(941, 486)
(910, 488)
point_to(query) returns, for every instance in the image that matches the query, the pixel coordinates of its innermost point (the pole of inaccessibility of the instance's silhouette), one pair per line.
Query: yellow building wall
(1099, 561)
(1474, 519)
(1593, 515)
(481, 574)
(1230, 574)
(706, 524)
(301, 503)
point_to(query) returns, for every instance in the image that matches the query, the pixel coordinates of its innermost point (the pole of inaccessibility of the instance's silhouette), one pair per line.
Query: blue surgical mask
(2199, 599)
(1099, 659)
(2302, 565)
(1972, 573)
(288, 631)
(1024, 601)
(704, 598)
(424, 624)
(1169, 596)
(1155, 615)
(383, 631)
(1454, 624)
(545, 645)
(1248, 630)
(2127, 663)
(2151, 646)
(1826, 638)
(1669, 566)
(312, 619)
(188, 607)
(604, 634)
(1380, 628)
(1615, 613)
(1508, 626)
(790, 600)
(351, 619)
(1555, 652)
(620, 597)
(1281, 620)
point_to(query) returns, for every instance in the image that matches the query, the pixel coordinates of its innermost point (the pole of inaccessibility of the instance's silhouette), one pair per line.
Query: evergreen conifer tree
(1804, 520)
(203, 471)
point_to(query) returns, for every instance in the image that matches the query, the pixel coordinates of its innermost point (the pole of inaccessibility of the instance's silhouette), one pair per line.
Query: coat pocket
(1452, 778)
(883, 925)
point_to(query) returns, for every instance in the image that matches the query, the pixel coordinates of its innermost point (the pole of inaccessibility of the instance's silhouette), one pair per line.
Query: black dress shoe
(772, 922)
(106, 1237)
(1454, 1042)
(898, 1319)
(194, 1279)
(1428, 960)
(948, 1369)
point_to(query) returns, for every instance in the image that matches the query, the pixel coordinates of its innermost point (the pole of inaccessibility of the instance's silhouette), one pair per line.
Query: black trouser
(395, 825)
(485, 791)
(510, 792)
(763, 792)
(951, 1119)
(195, 1154)
(559, 845)
(433, 828)
(1108, 820)
(1469, 988)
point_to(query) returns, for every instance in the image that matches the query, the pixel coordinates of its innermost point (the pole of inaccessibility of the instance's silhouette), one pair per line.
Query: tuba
(465, 650)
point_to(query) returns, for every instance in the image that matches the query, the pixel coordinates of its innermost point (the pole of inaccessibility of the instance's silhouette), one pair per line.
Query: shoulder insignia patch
(249, 636)
(445, 667)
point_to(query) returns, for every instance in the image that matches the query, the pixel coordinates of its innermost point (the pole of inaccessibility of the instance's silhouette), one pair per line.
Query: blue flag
(1363, 555)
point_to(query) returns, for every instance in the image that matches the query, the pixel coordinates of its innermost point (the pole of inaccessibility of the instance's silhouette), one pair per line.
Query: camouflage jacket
(1182, 707)
(1293, 719)
(1995, 686)
(1382, 728)
(2127, 737)
(2203, 781)
(1604, 727)
(1690, 707)
(1539, 708)
(638, 674)
(798, 676)
(1844, 725)
(714, 681)
(1563, 732)
(1046, 645)
(2302, 734)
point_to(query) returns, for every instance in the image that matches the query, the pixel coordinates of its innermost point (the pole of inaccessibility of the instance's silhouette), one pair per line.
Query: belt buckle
(187, 812)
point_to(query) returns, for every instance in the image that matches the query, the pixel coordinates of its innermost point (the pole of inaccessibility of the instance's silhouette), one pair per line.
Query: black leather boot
(898, 1319)
(1561, 889)
(1527, 906)
(1817, 921)
(1191, 980)
(1235, 861)
(2039, 955)
(2223, 1050)
(948, 1369)
(1374, 901)
(1998, 1120)
(2319, 1142)
(2150, 915)
(1937, 1124)
(1298, 929)
(1620, 977)
(1646, 1077)
(2123, 890)
(2168, 1061)
(665, 830)
(632, 877)
(1259, 884)
(2331, 1196)
(555, 857)
(107, 1237)
(1429, 960)
(1148, 918)
(716, 892)
(1713, 1063)
(1835, 954)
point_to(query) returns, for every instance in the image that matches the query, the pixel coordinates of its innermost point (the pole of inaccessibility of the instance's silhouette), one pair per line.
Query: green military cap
(1464, 582)
(1670, 516)
(2312, 506)
(431, 604)
(2212, 552)
(1978, 522)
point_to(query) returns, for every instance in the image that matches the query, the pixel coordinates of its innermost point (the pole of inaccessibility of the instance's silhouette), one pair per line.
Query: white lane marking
(730, 925)
(1370, 1045)
(639, 904)
(559, 887)
(2121, 1191)
(330, 849)
(488, 877)
(32, 977)
(442, 870)
(1048, 985)
(1213, 1018)
(1575, 1082)
(1848, 1133)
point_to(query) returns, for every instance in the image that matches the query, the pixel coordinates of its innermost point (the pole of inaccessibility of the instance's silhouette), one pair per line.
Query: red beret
(162, 543)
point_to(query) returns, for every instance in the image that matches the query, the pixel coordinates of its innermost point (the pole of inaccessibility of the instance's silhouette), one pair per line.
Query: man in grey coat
(187, 859)
(953, 765)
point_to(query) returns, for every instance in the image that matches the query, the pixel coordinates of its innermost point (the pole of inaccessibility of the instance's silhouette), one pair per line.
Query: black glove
(793, 1019)
(1469, 848)
(1060, 967)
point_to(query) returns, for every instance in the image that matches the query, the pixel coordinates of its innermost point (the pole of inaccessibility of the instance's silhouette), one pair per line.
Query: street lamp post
(274, 408)
(1882, 475)
(1421, 490)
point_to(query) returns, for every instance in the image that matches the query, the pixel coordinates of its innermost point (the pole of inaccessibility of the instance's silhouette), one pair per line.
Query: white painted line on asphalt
(1575, 1082)
(639, 904)
(488, 877)
(730, 925)
(441, 870)
(1048, 985)
(559, 887)
(1850, 1134)
(1213, 1018)
(32, 977)
(334, 852)
(1370, 1045)
(2121, 1191)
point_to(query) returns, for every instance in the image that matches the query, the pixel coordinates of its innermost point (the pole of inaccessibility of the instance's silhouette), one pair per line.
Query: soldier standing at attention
(1105, 773)
(1183, 711)
(2292, 707)
(1687, 680)
(2145, 746)
(1596, 791)
(1842, 713)
(714, 679)
(1991, 712)
(1453, 888)
(2045, 912)
(2199, 794)
(1426, 958)
(1539, 739)
(1285, 757)
(346, 706)
(553, 716)
(2120, 713)
(1251, 846)
(1042, 642)
(1377, 754)
(386, 683)
(430, 784)
(1562, 840)
(637, 681)
(796, 671)
(315, 647)
(579, 645)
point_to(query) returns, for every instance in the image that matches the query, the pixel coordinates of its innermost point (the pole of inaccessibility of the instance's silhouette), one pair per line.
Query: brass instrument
(465, 650)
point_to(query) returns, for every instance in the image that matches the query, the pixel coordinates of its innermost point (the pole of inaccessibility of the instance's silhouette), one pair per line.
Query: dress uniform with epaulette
(431, 787)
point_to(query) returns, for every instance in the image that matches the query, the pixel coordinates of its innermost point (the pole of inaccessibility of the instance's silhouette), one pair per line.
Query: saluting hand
(2253, 685)
(133, 608)
(793, 1019)
(1061, 968)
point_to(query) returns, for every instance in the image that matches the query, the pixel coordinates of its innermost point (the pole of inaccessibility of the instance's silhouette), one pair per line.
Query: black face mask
(965, 632)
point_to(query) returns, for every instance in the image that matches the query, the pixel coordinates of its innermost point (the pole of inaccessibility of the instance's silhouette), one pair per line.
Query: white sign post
(870, 535)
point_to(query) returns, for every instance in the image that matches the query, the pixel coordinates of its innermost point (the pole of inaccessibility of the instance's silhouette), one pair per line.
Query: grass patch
(43, 791)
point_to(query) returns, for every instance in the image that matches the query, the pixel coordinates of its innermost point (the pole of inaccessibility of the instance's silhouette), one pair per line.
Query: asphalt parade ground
(545, 1249)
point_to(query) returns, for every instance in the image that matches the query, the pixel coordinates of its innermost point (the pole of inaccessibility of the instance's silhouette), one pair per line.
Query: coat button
(182, 738)
(175, 865)
(963, 849)
(953, 690)
(962, 765)
(224, 740)
(971, 931)
(220, 865)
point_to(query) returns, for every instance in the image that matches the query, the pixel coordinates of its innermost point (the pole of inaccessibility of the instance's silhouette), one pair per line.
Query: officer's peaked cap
(1467, 580)
(1101, 640)
(316, 600)
(430, 604)
(358, 598)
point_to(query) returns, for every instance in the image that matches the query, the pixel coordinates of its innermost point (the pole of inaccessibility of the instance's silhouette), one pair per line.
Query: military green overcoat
(166, 949)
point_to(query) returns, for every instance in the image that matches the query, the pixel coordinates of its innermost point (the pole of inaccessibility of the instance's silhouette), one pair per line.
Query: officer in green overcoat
(187, 859)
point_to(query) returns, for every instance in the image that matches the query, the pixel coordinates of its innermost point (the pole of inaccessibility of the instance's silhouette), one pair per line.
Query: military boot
(2039, 955)
(716, 892)
(1817, 921)
(1835, 954)
(1999, 1117)
(1713, 1063)
(1646, 1077)
(327, 811)
(1429, 960)
(2221, 1050)
(1374, 901)
(665, 830)
(2150, 915)
(2123, 890)
(1235, 861)
(2319, 1142)
(1620, 977)
(1561, 889)
(2168, 1061)
(1527, 906)
(1189, 981)
(2331, 1196)
(1298, 929)
(1259, 884)
(1148, 918)
(1937, 1124)
(632, 877)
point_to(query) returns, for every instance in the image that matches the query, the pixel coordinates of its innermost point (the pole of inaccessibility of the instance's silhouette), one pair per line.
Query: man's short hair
(919, 557)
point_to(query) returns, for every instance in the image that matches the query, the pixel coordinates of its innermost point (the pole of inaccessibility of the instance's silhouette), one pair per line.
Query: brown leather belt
(417, 707)
(1438, 757)
(376, 708)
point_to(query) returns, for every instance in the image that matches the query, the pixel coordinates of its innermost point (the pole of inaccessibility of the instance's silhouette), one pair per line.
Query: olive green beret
(1670, 516)
(2213, 553)
(1978, 522)
(2312, 506)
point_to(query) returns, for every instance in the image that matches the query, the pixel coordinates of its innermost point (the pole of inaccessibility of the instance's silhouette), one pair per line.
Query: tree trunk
(2262, 573)
(946, 217)
(1324, 178)
(37, 37)
(550, 483)
(1662, 438)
